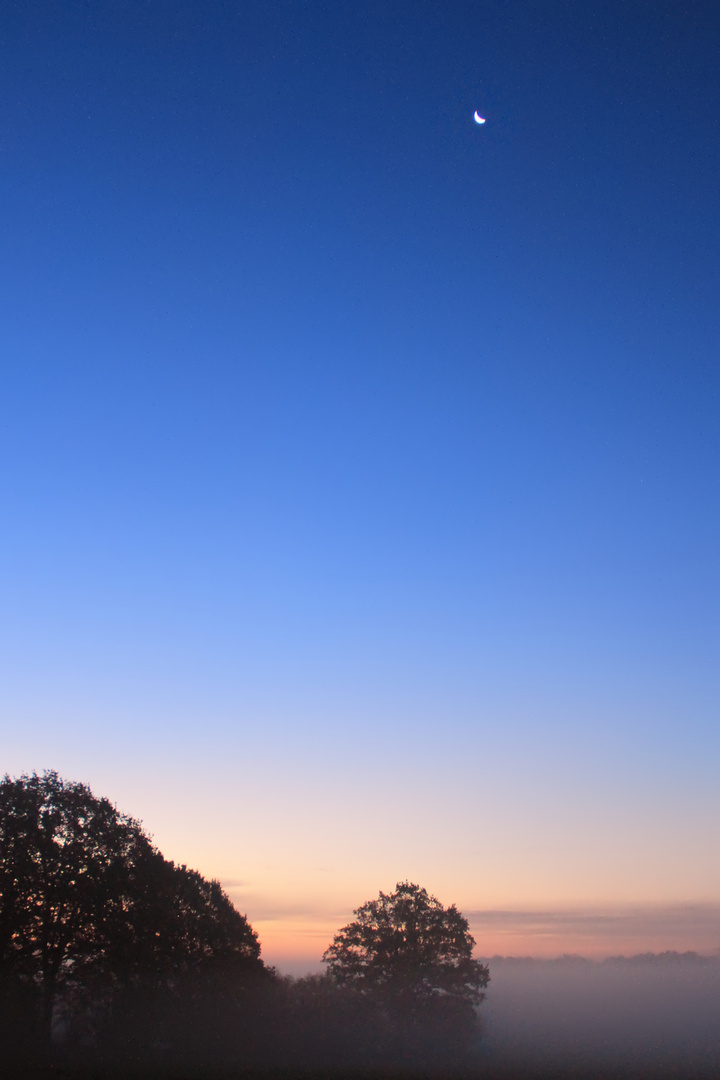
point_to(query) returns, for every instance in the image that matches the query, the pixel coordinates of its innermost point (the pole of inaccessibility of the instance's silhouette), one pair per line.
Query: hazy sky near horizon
(359, 473)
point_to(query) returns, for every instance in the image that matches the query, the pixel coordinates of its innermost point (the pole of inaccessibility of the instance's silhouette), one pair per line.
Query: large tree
(86, 901)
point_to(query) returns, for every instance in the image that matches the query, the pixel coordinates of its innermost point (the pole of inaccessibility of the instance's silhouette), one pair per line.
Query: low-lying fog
(653, 1010)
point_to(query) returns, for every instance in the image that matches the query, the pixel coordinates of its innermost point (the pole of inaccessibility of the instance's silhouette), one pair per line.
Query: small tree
(413, 957)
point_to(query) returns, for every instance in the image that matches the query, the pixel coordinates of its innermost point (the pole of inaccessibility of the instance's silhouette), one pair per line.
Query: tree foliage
(109, 949)
(407, 945)
(89, 907)
(411, 960)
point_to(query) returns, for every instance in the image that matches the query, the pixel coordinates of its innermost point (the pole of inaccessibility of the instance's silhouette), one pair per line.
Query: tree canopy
(406, 945)
(86, 899)
(108, 948)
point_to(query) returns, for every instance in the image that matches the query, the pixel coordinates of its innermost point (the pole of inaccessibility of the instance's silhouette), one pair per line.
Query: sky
(359, 463)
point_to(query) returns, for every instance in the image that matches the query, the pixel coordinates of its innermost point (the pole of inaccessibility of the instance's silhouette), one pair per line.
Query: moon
(478, 118)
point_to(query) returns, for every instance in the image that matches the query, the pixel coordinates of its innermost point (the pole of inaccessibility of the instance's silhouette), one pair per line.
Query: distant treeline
(667, 961)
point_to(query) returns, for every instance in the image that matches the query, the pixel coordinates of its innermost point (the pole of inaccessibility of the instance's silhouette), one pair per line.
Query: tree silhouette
(88, 906)
(407, 944)
(413, 957)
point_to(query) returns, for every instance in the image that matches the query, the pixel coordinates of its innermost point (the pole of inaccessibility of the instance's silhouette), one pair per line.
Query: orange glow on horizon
(297, 943)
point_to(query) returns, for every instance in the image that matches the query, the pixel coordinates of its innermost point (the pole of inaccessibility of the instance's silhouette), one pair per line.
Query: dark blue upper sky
(310, 385)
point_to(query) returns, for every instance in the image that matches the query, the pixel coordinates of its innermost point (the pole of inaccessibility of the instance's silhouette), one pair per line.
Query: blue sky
(345, 438)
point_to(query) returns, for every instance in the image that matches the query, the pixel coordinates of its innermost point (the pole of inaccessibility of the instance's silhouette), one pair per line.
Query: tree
(66, 861)
(413, 957)
(88, 904)
(407, 945)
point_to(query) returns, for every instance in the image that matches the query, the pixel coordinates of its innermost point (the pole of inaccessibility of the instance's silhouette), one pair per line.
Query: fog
(650, 1016)
(654, 1012)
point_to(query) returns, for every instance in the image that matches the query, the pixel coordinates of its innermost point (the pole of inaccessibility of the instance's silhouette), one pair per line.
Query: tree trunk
(47, 1009)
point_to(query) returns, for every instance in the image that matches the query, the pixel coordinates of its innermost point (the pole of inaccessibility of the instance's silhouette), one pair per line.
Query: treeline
(110, 953)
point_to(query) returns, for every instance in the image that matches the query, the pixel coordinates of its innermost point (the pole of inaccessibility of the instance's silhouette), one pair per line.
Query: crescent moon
(479, 119)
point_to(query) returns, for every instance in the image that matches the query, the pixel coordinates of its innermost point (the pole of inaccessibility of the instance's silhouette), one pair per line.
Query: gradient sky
(359, 464)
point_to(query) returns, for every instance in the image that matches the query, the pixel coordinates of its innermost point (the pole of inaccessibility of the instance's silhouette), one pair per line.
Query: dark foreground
(485, 1072)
